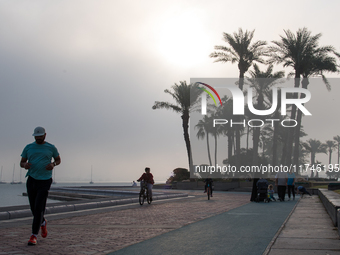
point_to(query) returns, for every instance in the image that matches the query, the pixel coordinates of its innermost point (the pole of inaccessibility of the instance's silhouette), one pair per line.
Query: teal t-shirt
(291, 177)
(39, 155)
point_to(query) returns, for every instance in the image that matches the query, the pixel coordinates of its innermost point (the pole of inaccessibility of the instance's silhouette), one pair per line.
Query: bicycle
(144, 194)
(208, 191)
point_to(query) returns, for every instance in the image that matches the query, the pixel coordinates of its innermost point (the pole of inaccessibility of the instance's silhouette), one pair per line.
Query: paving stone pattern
(309, 230)
(110, 231)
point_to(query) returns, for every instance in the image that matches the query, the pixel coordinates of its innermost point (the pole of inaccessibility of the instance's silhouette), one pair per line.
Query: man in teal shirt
(37, 159)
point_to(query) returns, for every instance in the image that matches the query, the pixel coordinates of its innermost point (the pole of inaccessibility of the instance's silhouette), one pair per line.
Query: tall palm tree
(186, 97)
(337, 139)
(262, 82)
(204, 129)
(244, 53)
(226, 112)
(318, 165)
(294, 51)
(216, 131)
(313, 147)
(318, 63)
(330, 144)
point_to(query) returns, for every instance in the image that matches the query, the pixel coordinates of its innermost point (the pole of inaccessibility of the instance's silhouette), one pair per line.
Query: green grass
(337, 191)
(320, 187)
(325, 187)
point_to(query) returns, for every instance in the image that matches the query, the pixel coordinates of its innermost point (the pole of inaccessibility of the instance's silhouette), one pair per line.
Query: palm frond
(166, 105)
(241, 50)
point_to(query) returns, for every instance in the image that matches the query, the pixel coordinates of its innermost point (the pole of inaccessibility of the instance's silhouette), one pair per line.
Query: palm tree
(319, 62)
(204, 128)
(313, 147)
(330, 146)
(337, 139)
(242, 52)
(318, 165)
(217, 131)
(294, 51)
(262, 82)
(226, 112)
(186, 97)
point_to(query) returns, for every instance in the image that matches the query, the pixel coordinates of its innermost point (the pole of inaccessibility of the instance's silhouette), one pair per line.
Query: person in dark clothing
(37, 159)
(303, 190)
(147, 178)
(208, 181)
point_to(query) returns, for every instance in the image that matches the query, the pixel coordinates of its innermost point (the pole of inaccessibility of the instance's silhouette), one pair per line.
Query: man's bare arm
(56, 162)
(25, 164)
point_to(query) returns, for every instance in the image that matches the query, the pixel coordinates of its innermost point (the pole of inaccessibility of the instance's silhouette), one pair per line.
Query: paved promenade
(247, 230)
(110, 229)
(227, 224)
(309, 230)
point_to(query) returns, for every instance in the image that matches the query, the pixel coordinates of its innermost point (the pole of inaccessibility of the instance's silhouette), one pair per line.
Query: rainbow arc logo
(208, 86)
(204, 103)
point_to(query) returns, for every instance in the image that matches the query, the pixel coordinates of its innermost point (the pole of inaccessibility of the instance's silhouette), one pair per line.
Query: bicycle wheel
(148, 198)
(141, 197)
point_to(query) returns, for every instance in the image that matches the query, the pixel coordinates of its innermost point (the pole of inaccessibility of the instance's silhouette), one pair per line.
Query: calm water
(11, 194)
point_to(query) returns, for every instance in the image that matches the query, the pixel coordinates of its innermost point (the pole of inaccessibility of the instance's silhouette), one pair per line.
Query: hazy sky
(90, 71)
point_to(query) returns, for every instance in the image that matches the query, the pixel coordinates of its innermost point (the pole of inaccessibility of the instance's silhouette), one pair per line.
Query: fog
(90, 71)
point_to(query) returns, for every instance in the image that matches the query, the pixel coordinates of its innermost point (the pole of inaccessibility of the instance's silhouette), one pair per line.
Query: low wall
(218, 186)
(333, 186)
(14, 212)
(331, 202)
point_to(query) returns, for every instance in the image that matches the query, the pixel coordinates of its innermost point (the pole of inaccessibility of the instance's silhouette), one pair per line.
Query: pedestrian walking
(281, 183)
(37, 159)
(291, 184)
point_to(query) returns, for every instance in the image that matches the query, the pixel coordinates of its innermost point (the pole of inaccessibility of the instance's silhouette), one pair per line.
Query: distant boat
(1, 182)
(54, 182)
(20, 176)
(91, 182)
(14, 182)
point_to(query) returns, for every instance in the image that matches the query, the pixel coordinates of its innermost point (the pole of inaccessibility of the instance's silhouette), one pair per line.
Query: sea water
(11, 194)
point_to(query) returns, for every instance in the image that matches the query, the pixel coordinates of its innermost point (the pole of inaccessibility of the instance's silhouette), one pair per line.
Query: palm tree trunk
(275, 137)
(305, 83)
(290, 139)
(248, 128)
(312, 162)
(256, 139)
(284, 152)
(208, 148)
(237, 128)
(230, 144)
(215, 135)
(185, 125)
(234, 143)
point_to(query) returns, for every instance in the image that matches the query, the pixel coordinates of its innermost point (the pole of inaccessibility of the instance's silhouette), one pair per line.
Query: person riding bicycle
(210, 182)
(147, 178)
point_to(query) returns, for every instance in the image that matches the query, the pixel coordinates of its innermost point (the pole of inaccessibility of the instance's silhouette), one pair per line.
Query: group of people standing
(285, 181)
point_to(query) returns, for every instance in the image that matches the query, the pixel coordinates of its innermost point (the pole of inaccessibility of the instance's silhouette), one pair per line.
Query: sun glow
(183, 40)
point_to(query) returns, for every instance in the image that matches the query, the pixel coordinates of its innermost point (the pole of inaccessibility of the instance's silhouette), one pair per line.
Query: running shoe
(44, 230)
(33, 240)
